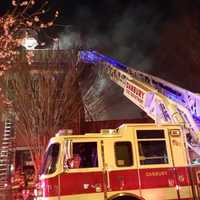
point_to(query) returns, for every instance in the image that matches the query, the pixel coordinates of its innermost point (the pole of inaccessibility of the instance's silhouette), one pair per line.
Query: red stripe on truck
(119, 180)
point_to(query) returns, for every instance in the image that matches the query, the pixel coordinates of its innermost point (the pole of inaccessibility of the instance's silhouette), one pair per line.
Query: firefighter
(74, 162)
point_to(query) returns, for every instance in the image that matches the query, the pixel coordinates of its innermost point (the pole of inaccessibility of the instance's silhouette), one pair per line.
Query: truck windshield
(50, 159)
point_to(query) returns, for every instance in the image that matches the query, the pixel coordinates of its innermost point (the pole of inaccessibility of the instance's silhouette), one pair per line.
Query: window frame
(45, 160)
(88, 169)
(167, 145)
(132, 154)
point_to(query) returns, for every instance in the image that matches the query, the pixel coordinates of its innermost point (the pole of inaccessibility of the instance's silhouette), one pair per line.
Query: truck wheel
(126, 198)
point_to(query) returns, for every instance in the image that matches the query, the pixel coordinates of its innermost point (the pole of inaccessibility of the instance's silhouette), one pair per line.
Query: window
(148, 134)
(50, 159)
(85, 155)
(152, 147)
(123, 154)
(23, 158)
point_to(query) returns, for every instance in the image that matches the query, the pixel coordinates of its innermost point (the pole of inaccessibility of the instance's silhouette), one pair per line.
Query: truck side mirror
(68, 154)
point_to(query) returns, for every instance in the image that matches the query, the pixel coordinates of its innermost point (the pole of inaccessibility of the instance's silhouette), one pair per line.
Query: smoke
(129, 37)
(68, 39)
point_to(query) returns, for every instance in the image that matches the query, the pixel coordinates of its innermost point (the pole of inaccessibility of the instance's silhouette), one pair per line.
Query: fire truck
(135, 161)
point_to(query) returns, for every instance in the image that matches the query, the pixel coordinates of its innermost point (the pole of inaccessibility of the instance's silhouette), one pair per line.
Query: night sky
(157, 37)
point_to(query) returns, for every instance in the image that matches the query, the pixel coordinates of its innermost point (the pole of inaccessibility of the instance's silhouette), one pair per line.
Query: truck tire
(126, 198)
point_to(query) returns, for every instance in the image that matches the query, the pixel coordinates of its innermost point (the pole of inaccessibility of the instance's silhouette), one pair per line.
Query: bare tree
(46, 98)
(17, 23)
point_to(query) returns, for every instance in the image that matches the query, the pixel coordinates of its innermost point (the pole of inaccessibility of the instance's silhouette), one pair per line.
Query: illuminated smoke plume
(69, 39)
(129, 37)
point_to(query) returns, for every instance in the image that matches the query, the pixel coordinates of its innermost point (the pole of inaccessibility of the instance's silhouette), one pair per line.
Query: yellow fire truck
(135, 161)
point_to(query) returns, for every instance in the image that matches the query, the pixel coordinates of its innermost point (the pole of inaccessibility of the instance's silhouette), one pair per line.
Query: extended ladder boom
(164, 102)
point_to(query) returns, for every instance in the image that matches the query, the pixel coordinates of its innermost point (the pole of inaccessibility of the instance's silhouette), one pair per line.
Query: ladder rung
(6, 142)
(7, 127)
(8, 122)
(5, 147)
(3, 156)
(8, 130)
(4, 153)
(3, 176)
(8, 138)
(3, 164)
(4, 180)
(5, 160)
(2, 186)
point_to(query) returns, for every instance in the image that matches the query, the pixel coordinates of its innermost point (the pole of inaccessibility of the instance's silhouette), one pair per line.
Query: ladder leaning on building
(7, 154)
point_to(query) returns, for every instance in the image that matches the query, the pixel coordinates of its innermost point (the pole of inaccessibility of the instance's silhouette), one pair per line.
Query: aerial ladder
(164, 102)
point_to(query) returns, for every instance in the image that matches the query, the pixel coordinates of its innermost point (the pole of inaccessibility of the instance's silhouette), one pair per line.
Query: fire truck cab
(132, 162)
